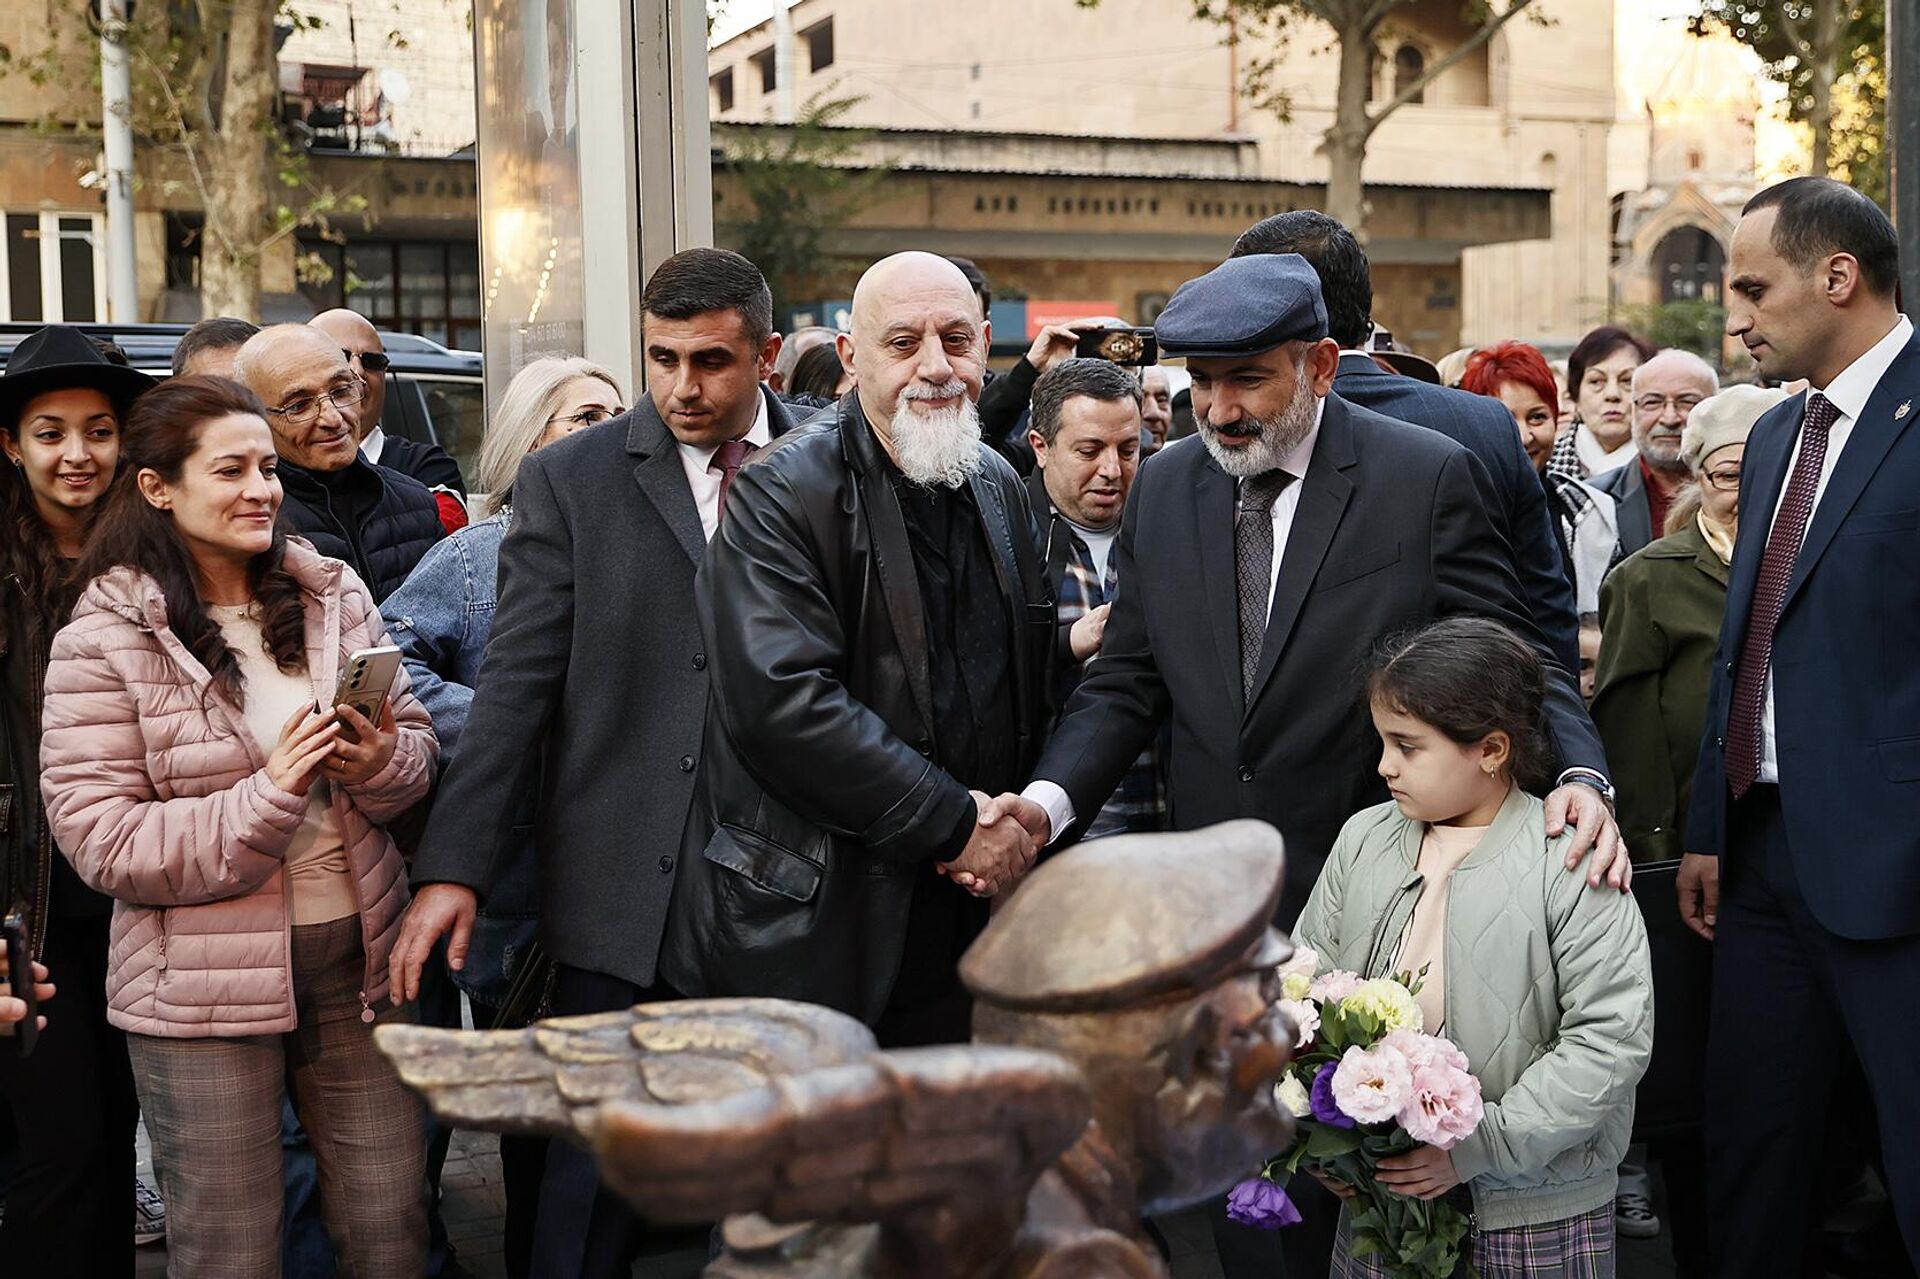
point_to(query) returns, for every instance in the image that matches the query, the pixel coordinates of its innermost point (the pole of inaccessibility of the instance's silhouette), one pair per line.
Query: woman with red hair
(1517, 375)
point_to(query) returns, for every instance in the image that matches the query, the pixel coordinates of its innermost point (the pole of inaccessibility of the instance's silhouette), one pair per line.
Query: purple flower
(1321, 1098)
(1259, 1203)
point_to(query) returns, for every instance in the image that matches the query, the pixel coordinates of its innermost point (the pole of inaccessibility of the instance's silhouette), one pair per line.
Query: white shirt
(1848, 393)
(705, 481)
(1050, 795)
(374, 443)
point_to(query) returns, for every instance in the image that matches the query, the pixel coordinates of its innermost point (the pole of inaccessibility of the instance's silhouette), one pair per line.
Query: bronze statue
(1126, 1053)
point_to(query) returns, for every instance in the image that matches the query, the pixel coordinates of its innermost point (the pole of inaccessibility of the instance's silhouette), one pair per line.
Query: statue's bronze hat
(1118, 922)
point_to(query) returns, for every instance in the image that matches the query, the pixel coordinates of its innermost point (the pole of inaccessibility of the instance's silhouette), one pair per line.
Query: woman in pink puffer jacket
(195, 771)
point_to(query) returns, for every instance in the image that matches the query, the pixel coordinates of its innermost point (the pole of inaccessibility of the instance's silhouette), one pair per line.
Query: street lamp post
(116, 91)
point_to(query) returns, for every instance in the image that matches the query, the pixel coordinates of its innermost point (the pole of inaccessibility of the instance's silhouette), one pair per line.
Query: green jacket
(1549, 992)
(1660, 612)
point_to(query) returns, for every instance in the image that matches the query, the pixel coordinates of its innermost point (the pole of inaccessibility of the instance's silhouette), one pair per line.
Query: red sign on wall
(1041, 314)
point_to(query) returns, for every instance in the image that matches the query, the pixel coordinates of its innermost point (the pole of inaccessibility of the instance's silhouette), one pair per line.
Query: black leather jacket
(818, 801)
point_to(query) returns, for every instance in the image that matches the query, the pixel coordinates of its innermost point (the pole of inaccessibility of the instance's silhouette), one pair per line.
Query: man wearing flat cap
(1261, 560)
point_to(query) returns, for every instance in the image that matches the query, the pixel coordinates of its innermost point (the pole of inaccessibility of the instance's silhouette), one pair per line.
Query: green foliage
(799, 186)
(1785, 33)
(1692, 325)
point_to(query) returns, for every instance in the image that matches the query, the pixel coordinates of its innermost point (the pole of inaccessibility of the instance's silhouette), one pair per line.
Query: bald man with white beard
(878, 631)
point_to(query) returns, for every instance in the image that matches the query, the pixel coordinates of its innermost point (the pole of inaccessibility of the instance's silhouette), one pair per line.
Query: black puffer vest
(377, 520)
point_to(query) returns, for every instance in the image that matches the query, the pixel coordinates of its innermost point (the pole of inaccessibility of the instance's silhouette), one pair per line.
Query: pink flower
(1372, 1084)
(1423, 1050)
(1334, 986)
(1305, 1017)
(1444, 1107)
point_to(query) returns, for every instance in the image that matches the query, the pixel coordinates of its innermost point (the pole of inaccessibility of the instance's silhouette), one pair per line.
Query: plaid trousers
(1575, 1248)
(213, 1109)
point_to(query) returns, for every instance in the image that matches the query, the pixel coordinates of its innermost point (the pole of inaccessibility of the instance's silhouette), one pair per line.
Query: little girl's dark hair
(1468, 677)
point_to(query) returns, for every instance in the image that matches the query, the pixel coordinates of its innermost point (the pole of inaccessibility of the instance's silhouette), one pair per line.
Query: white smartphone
(365, 682)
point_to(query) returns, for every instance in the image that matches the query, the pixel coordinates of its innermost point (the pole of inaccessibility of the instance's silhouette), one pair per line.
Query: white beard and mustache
(1279, 436)
(939, 448)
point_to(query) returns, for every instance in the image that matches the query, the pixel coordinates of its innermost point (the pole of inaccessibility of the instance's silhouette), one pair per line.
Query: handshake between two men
(1007, 838)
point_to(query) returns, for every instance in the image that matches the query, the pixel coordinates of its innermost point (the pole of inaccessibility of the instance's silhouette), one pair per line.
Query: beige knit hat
(1723, 419)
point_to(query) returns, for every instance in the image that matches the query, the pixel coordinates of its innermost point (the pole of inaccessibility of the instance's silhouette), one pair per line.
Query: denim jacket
(441, 617)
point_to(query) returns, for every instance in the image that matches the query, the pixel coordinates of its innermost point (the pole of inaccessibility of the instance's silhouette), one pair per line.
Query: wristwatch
(1589, 777)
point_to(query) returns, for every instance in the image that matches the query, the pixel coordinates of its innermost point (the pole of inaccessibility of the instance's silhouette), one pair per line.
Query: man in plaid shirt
(1086, 434)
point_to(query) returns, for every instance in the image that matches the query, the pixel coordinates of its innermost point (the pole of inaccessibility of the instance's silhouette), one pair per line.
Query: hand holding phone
(364, 683)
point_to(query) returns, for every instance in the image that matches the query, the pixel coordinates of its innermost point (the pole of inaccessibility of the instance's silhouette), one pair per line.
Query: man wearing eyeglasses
(376, 519)
(1665, 390)
(425, 461)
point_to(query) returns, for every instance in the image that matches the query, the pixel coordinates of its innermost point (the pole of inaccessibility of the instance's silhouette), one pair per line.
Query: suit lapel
(1213, 538)
(663, 479)
(1872, 438)
(1324, 493)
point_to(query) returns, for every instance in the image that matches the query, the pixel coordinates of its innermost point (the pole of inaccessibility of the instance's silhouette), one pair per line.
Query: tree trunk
(1345, 142)
(1829, 26)
(234, 160)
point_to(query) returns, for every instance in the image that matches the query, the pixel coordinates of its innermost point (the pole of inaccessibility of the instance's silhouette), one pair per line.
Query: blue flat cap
(1244, 306)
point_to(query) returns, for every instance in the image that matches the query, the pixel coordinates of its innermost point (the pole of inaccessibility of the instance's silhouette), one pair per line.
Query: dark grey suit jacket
(595, 686)
(1515, 498)
(1628, 488)
(1391, 531)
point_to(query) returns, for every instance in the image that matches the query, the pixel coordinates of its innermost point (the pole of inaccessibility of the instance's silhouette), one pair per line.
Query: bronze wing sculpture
(1129, 1048)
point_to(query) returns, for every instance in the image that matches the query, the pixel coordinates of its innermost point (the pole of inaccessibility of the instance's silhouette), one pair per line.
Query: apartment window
(722, 91)
(819, 38)
(52, 269)
(1409, 64)
(763, 62)
(428, 287)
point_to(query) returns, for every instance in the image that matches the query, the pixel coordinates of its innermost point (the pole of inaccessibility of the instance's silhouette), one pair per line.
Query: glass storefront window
(52, 268)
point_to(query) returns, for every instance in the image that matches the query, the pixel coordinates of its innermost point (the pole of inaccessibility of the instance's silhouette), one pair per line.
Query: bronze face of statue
(1126, 1057)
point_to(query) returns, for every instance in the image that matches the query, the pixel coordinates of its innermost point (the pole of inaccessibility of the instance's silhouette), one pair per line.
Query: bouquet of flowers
(1366, 1084)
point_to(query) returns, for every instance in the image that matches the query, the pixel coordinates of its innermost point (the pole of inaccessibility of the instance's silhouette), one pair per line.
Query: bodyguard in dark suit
(880, 631)
(1805, 820)
(1515, 500)
(594, 689)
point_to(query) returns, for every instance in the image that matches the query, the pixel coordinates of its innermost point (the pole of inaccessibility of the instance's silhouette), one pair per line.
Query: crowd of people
(772, 680)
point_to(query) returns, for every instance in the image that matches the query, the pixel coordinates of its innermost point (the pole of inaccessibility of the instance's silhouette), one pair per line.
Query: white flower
(1303, 961)
(1387, 1000)
(1293, 1095)
(1305, 1018)
(1295, 985)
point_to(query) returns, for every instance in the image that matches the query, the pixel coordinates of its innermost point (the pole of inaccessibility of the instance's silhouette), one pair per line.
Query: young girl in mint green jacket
(1543, 982)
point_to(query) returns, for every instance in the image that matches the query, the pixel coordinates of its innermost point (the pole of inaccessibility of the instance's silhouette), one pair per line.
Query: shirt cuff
(1053, 799)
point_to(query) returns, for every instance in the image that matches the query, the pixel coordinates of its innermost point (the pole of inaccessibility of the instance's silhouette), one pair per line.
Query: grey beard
(1279, 436)
(940, 449)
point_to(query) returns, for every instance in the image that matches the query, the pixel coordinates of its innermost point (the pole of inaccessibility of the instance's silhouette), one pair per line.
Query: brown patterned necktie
(728, 459)
(1253, 565)
(1770, 592)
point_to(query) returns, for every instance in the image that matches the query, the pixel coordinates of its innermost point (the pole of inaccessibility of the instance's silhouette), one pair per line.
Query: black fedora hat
(61, 356)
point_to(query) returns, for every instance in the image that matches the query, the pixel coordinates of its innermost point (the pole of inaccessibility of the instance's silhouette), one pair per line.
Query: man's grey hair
(1096, 379)
(1676, 355)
